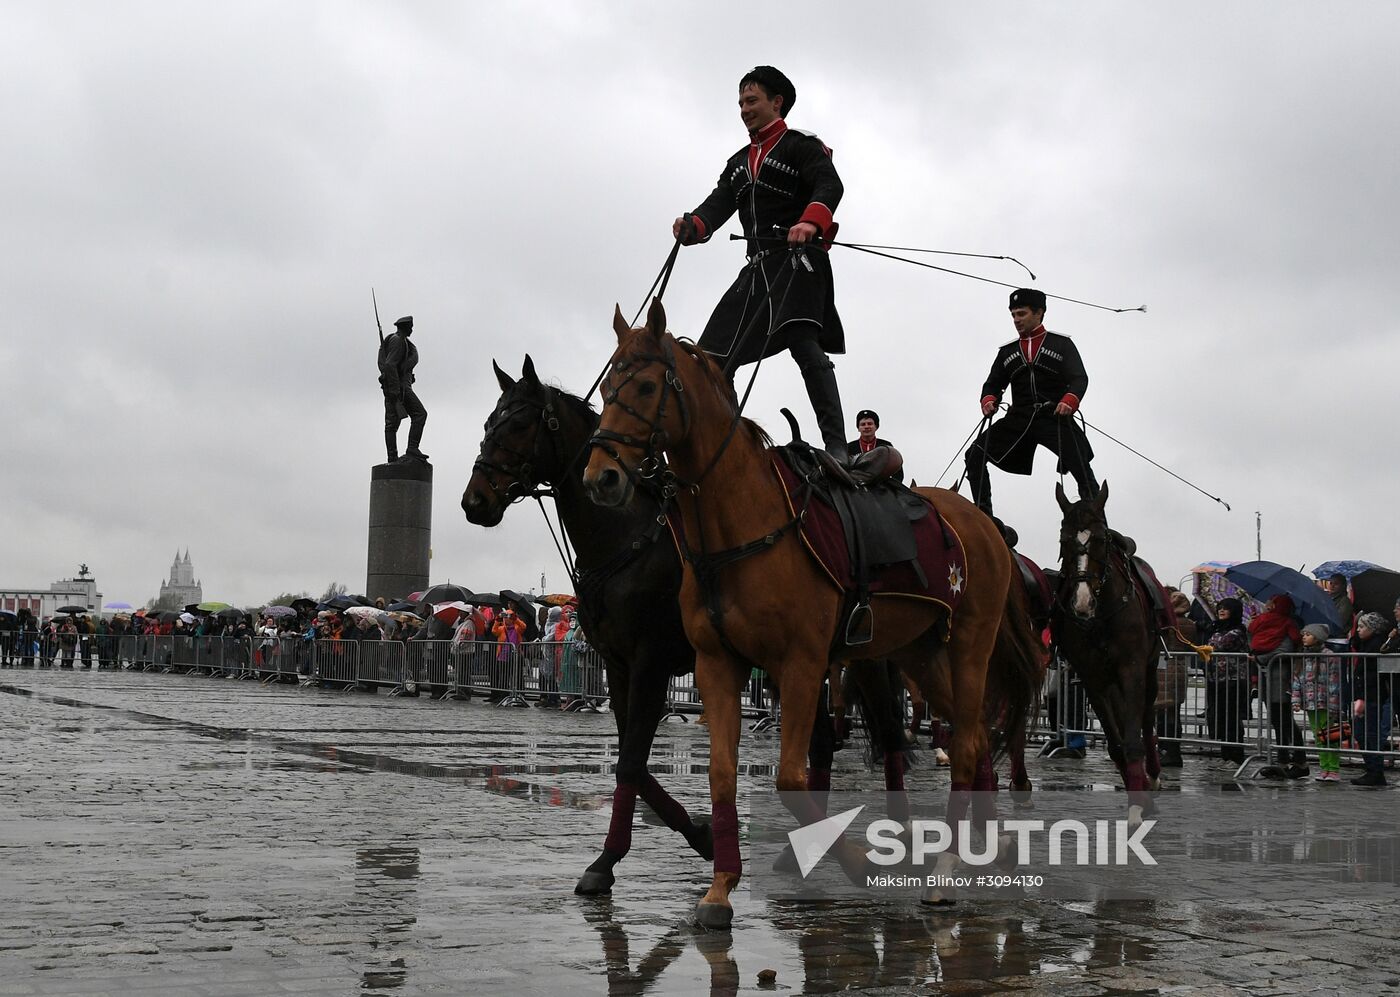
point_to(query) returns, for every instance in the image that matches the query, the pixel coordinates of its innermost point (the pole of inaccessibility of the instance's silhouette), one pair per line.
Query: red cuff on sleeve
(700, 231)
(1072, 400)
(819, 215)
(988, 398)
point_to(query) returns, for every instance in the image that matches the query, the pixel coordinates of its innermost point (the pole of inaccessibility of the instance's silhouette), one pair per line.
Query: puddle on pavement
(828, 947)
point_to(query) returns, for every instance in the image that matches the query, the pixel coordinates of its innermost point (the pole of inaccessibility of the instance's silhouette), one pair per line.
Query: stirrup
(860, 625)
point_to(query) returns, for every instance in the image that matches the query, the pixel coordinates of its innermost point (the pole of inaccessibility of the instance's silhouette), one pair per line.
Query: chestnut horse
(669, 411)
(628, 580)
(1107, 634)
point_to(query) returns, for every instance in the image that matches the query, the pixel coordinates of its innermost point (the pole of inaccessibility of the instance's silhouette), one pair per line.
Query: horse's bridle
(522, 476)
(653, 446)
(1071, 549)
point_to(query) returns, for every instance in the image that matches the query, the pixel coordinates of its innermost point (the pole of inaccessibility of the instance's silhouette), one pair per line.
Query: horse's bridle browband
(522, 475)
(653, 462)
(1069, 538)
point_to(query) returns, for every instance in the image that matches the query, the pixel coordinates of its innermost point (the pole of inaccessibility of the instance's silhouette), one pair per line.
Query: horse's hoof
(594, 882)
(1154, 785)
(702, 839)
(714, 917)
(1021, 797)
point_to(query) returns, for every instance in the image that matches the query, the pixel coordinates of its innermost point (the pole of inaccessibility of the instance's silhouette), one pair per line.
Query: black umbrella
(339, 602)
(71, 609)
(169, 617)
(486, 599)
(229, 614)
(361, 600)
(516, 597)
(403, 607)
(1265, 579)
(447, 592)
(1376, 590)
(303, 603)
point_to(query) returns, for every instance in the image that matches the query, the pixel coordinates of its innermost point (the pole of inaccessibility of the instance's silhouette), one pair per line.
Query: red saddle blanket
(940, 549)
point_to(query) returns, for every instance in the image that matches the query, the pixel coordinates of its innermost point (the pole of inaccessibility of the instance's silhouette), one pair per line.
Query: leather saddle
(877, 514)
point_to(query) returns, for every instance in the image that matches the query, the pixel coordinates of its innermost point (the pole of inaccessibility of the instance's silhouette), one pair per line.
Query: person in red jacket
(1273, 637)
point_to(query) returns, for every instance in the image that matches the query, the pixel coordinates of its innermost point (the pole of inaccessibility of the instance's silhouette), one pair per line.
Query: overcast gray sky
(198, 197)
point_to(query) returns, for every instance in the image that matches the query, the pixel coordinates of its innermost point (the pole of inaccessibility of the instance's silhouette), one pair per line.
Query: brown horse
(665, 400)
(1103, 626)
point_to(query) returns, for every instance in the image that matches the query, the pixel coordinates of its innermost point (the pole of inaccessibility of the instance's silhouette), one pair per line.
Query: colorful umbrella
(558, 599)
(117, 605)
(212, 607)
(278, 612)
(370, 611)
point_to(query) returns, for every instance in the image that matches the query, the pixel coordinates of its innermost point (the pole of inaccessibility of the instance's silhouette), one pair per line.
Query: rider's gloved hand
(989, 405)
(683, 228)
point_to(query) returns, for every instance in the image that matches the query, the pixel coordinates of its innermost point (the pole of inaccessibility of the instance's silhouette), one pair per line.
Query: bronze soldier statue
(397, 358)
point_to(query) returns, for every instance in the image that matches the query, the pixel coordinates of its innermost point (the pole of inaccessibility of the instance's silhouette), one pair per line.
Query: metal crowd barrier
(1297, 708)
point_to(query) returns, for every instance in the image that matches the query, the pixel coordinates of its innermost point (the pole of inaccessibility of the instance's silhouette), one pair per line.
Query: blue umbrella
(1349, 569)
(117, 605)
(1265, 579)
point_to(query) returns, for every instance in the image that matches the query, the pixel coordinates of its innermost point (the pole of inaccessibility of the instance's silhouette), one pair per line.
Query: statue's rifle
(403, 412)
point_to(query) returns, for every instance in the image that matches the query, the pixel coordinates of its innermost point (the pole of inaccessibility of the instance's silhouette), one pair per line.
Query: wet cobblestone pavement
(175, 835)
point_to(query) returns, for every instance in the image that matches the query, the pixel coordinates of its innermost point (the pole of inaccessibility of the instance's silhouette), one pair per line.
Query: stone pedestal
(400, 529)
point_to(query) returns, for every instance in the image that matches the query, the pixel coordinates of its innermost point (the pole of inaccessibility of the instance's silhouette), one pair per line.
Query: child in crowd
(1317, 691)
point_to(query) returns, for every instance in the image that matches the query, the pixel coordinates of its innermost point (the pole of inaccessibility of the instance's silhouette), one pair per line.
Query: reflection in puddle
(830, 947)
(386, 890)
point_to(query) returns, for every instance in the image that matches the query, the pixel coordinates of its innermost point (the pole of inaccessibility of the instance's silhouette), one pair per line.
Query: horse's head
(644, 410)
(1085, 552)
(520, 450)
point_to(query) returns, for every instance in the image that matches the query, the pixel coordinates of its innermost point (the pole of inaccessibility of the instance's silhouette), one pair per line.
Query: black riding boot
(415, 433)
(1088, 484)
(391, 444)
(825, 396)
(979, 483)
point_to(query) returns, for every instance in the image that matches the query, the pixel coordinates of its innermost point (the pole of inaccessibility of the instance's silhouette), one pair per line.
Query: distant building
(183, 588)
(80, 591)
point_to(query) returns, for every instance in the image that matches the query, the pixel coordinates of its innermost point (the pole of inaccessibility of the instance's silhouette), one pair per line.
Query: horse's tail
(873, 688)
(1018, 667)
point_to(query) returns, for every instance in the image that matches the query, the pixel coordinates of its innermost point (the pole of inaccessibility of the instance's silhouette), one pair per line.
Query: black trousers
(1227, 703)
(1010, 444)
(417, 415)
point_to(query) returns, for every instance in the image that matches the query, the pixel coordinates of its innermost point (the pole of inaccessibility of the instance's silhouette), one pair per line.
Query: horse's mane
(717, 379)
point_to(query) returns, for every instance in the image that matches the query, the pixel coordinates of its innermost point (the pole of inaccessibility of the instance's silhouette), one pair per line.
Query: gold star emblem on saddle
(955, 579)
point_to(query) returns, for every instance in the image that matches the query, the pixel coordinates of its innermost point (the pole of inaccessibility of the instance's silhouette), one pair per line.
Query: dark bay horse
(665, 400)
(628, 584)
(1104, 627)
(628, 577)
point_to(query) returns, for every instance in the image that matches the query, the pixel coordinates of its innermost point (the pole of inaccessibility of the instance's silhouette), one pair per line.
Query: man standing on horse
(785, 188)
(397, 358)
(1048, 382)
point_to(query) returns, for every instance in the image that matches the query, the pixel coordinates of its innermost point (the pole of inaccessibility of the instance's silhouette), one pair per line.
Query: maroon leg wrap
(619, 840)
(725, 825)
(894, 770)
(939, 733)
(676, 817)
(1135, 779)
(985, 781)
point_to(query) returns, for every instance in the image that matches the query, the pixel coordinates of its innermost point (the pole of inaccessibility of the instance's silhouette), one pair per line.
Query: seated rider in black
(785, 188)
(867, 422)
(1048, 382)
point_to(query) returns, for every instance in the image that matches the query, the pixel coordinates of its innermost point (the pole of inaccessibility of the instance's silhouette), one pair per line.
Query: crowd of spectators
(567, 676)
